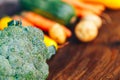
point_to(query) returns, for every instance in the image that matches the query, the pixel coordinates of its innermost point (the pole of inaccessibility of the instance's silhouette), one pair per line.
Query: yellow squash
(111, 4)
(48, 41)
(4, 21)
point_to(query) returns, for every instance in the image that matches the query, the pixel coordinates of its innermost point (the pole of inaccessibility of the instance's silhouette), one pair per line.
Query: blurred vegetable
(94, 18)
(86, 31)
(83, 8)
(23, 54)
(4, 22)
(56, 10)
(43, 23)
(24, 21)
(83, 12)
(58, 34)
(111, 4)
(49, 42)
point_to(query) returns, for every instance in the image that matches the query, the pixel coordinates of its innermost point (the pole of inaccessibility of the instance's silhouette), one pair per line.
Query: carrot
(38, 21)
(96, 5)
(82, 12)
(43, 23)
(24, 21)
(95, 8)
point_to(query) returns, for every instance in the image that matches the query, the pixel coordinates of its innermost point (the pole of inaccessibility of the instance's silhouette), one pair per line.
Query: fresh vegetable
(23, 53)
(82, 12)
(57, 33)
(94, 18)
(86, 31)
(24, 21)
(43, 23)
(49, 42)
(111, 4)
(56, 10)
(4, 21)
(83, 8)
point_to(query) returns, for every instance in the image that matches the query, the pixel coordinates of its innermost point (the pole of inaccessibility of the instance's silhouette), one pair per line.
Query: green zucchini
(56, 10)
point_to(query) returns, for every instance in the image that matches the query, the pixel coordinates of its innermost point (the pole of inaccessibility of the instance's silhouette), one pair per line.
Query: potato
(86, 31)
(58, 34)
(94, 18)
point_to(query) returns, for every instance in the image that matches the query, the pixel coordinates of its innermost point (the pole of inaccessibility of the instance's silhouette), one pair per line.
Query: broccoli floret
(5, 67)
(7, 78)
(23, 53)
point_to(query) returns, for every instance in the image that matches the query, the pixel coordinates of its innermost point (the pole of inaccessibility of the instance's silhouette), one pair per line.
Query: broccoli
(23, 53)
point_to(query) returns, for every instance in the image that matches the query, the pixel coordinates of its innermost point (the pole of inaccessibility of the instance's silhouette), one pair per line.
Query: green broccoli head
(23, 53)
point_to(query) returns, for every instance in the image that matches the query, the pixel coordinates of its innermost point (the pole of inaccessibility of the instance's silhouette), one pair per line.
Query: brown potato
(95, 19)
(86, 31)
(58, 34)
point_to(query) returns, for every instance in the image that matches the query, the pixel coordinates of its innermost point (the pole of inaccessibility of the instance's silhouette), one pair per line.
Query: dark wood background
(97, 60)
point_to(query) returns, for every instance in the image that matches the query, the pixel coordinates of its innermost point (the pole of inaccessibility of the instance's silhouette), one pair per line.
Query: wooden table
(97, 60)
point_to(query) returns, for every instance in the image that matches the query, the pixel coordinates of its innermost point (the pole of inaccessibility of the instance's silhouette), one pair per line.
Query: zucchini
(56, 10)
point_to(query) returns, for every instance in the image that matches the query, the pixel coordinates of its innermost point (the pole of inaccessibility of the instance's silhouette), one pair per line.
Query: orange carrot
(43, 23)
(95, 8)
(96, 5)
(38, 21)
(82, 12)
(24, 21)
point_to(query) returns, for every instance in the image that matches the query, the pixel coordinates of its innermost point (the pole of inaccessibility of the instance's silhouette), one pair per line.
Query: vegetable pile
(55, 16)
(23, 53)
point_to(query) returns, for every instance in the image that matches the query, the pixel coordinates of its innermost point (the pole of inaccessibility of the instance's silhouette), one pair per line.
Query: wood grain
(97, 60)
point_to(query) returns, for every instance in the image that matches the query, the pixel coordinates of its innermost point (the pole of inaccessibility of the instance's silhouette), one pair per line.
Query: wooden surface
(97, 60)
